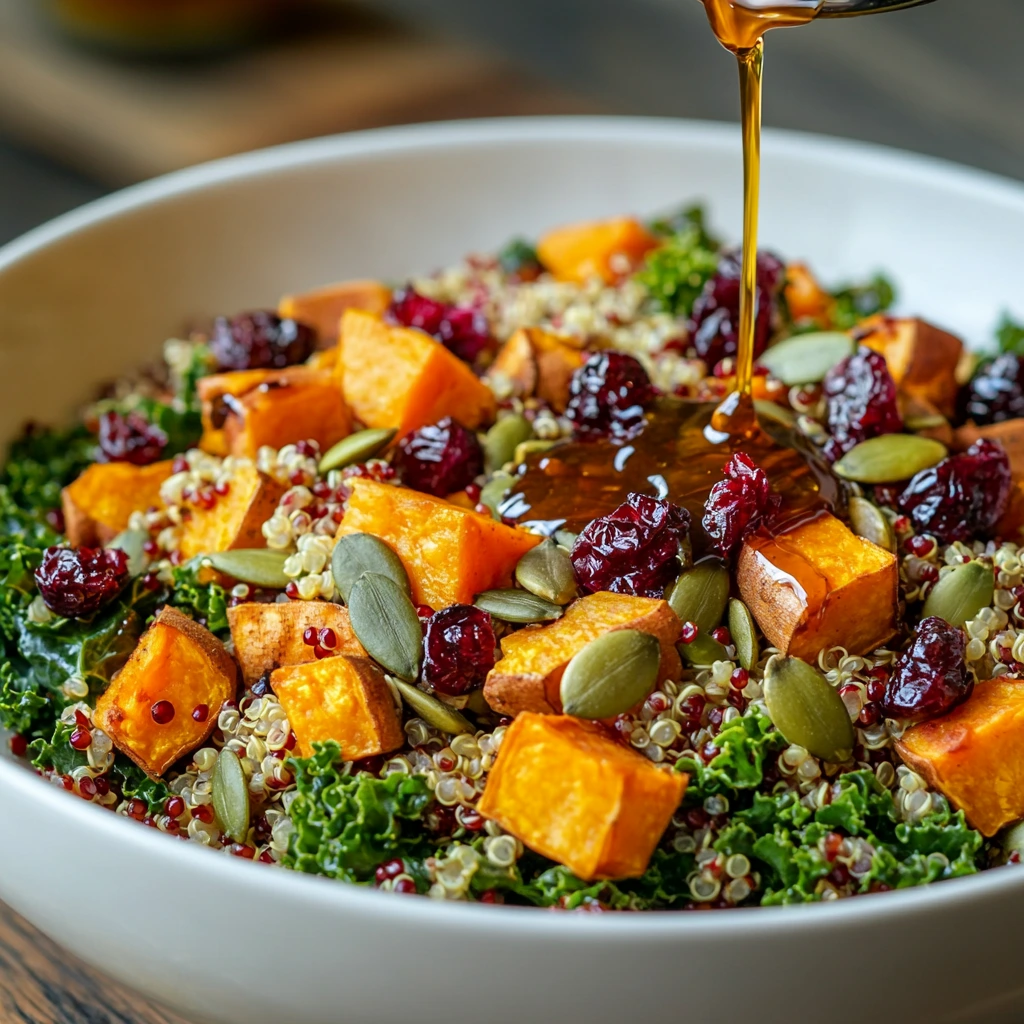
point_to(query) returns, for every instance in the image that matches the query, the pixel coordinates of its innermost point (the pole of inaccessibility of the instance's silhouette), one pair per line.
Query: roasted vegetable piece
(236, 520)
(98, 504)
(401, 378)
(269, 636)
(607, 249)
(572, 793)
(806, 299)
(323, 308)
(164, 702)
(529, 674)
(1010, 434)
(451, 554)
(975, 754)
(345, 699)
(921, 358)
(813, 584)
(537, 364)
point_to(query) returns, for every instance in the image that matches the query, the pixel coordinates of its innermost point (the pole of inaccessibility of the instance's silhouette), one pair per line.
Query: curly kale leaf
(207, 603)
(519, 257)
(136, 784)
(856, 301)
(689, 218)
(41, 462)
(23, 709)
(675, 273)
(345, 825)
(1010, 336)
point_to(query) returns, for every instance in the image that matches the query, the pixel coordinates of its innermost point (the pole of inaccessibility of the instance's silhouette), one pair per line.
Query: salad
(450, 588)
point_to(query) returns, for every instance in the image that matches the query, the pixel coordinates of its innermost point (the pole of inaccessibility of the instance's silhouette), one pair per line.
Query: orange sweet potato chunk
(177, 661)
(604, 249)
(236, 520)
(402, 378)
(98, 504)
(345, 699)
(571, 793)
(269, 636)
(975, 754)
(537, 363)
(451, 554)
(323, 308)
(1010, 434)
(529, 674)
(814, 584)
(922, 358)
(806, 299)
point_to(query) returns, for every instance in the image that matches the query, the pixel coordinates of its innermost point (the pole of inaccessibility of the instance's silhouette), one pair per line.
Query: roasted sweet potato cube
(921, 358)
(451, 554)
(572, 793)
(975, 754)
(236, 520)
(813, 584)
(607, 249)
(806, 299)
(345, 699)
(402, 378)
(323, 308)
(148, 709)
(1010, 434)
(536, 363)
(269, 635)
(98, 504)
(528, 676)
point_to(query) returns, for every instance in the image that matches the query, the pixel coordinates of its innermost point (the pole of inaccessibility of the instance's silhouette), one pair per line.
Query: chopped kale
(855, 302)
(207, 603)
(519, 257)
(41, 462)
(675, 273)
(688, 219)
(1010, 336)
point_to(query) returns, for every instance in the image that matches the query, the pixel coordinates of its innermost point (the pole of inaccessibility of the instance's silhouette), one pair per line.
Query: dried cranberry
(996, 392)
(260, 340)
(739, 504)
(930, 677)
(963, 496)
(715, 321)
(130, 438)
(462, 330)
(633, 550)
(458, 649)
(440, 458)
(78, 581)
(861, 398)
(608, 395)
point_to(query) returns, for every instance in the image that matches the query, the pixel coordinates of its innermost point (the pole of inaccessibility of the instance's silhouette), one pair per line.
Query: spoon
(848, 8)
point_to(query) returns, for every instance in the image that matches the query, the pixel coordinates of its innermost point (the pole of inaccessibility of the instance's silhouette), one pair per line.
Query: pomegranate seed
(55, 518)
(471, 819)
(722, 635)
(310, 636)
(406, 885)
(82, 720)
(490, 896)
(697, 818)
(81, 739)
(18, 745)
(920, 546)
(869, 714)
(689, 633)
(833, 841)
(150, 547)
(875, 689)
(163, 712)
(204, 813)
(243, 851)
(292, 591)
(715, 716)
(102, 786)
(175, 807)
(179, 465)
(389, 869)
(151, 581)
(291, 741)
(201, 712)
(328, 638)
(137, 810)
(473, 492)
(307, 449)
(87, 787)
(222, 489)
(927, 573)
(68, 783)
(739, 679)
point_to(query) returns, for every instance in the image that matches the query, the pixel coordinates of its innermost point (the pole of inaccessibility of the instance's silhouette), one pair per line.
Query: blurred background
(95, 94)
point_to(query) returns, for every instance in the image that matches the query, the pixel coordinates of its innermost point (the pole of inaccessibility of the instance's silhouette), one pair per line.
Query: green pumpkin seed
(386, 624)
(565, 539)
(520, 606)
(493, 493)
(775, 412)
(1011, 840)
(702, 651)
(532, 447)
(502, 440)
(961, 593)
(925, 421)
(806, 358)
(358, 553)
(431, 710)
(611, 674)
(890, 458)
(547, 572)
(744, 634)
(700, 594)
(868, 521)
(132, 542)
(258, 566)
(807, 709)
(231, 796)
(357, 447)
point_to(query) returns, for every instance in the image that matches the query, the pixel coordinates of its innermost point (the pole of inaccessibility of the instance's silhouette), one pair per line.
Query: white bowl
(97, 291)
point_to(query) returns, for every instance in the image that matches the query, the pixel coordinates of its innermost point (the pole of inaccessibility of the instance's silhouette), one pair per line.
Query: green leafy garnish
(675, 273)
(41, 462)
(857, 301)
(1010, 336)
(205, 602)
(519, 256)
(684, 221)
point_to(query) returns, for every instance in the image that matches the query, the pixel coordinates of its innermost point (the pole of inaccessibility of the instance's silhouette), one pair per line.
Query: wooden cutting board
(124, 121)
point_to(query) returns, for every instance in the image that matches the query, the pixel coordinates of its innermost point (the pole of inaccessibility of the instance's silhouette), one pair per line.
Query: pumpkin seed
(502, 440)
(744, 634)
(890, 458)
(806, 358)
(358, 553)
(700, 594)
(611, 674)
(565, 539)
(869, 522)
(431, 710)
(547, 572)
(703, 650)
(493, 493)
(961, 593)
(357, 447)
(775, 412)
(386, 624)
(512, 605)
(1012, 839)
(807, 709)
(131, 543)
(258, 566)
(231, 796)
(925, 421)
(531, 447)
